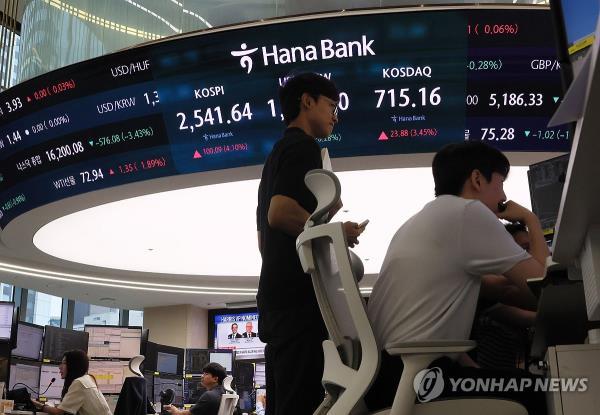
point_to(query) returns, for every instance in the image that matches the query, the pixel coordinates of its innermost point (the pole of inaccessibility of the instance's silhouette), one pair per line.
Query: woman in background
(80, 394)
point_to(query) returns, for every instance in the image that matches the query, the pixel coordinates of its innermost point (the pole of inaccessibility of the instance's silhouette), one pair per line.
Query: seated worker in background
(501, 326)
(430, 278)
(80, 394)
(208, 404)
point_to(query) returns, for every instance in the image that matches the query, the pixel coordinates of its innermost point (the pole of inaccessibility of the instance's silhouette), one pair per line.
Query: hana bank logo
(325, 49)
(246, 60)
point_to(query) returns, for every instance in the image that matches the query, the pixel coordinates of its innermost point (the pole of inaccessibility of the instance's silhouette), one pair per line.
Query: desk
(574, 361)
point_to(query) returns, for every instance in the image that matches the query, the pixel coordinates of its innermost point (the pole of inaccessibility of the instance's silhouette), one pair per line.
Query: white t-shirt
(429, 281)
(84, 398)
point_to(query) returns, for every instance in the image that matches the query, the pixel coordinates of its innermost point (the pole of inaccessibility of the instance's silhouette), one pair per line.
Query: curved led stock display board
(410, 81)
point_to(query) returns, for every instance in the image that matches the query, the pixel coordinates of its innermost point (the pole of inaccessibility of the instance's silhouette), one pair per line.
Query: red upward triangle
(382, 136)
(197, 155)
(112, 171)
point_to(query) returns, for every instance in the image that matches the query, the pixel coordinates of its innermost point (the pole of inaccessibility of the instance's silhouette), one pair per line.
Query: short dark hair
(515, 227)
(313, 84)
(454, 163)
(216, 370)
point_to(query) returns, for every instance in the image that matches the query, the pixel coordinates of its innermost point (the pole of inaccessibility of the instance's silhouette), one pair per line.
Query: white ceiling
(191, 239)
(211, 230)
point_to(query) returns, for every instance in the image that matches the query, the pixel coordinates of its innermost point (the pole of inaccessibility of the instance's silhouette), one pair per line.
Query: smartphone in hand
(363, 223)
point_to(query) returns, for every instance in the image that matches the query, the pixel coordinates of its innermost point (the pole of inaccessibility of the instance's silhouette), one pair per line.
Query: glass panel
(94, 315)
(43, 309)
(136, 318)
(6, 292)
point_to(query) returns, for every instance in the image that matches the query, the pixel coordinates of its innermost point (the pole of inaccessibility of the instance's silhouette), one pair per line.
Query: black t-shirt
(209, 402)
(283, 284)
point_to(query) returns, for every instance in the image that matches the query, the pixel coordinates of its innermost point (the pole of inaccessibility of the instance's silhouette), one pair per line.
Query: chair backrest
(229, 399)
(135, 363)
(227, 384)
(133, 399)
(351, 354)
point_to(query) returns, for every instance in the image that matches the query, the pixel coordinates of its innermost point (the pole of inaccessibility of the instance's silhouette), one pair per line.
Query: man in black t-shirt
(210, 401)
(294, 359)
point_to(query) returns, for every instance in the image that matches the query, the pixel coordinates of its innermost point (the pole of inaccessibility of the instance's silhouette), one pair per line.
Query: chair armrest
(429, 347)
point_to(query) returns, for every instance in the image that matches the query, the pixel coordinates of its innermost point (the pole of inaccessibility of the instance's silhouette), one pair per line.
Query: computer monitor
(24, 373)
(546, 181)
(29, 341)
(58, 340)
(114, 341)
(260, 378)
(163, 382)
(110, 375)
(192, 389)
(577, 22)
(224, 358)
(166, 363)
(6, 320)
(166, 353)
(195, 360)
(48, 388)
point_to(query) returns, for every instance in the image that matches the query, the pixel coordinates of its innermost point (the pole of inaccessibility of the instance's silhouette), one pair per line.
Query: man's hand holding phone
(353, 230)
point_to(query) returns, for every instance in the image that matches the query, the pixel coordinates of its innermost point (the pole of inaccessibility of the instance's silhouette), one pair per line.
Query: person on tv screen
(213, 375)
(285, 293)
(431, 276)
(234, 332)
(80, 394)
(249, 333)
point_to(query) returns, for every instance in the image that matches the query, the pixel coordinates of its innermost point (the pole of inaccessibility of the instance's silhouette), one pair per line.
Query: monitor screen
(47, 373)
(164, 382)
(192, 389)
(114, 342)
(546, 181)
(29, 341)
(110, 375)
(6, 320)
(195, 360)
(166, 363)
(239, 332)
(166, 353)
(260, 378)
(58, 340)
(410, 82)
(225, 359)
(579, 18)
(24, 373)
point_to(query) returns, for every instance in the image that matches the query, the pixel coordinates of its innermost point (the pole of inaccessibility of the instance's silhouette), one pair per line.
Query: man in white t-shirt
(430, 278)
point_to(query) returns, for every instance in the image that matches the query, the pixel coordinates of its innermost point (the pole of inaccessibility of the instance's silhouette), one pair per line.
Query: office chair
(351, 353)
(229, 399)
(134, 364)
(133, 398)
